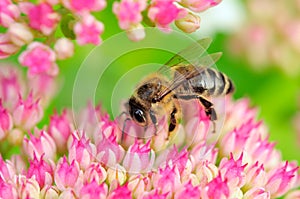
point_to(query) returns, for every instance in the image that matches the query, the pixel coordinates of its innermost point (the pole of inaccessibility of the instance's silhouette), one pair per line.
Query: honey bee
(191, 78)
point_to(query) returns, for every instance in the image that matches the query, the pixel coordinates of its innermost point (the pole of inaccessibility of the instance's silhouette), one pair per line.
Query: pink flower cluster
(267, 39)
(91, 161)
(159, 13)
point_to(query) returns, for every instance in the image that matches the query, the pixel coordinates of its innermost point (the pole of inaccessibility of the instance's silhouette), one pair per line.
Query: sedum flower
(81, 6)
(9, 12)
(6, 122)
(95, 172)
(40, 59)
(198, 6)
(20, 34)
(7, 47)
(189, 23)
(93, 190)
(120, 192)
(88, 30)
(64, 48)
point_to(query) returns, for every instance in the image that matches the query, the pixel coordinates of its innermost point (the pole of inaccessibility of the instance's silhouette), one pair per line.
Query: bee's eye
(138, 116)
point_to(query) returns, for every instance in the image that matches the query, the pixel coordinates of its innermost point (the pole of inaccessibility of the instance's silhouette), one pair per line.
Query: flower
(41, 17)
(64, 48)
(93, 190)
(80, 6)
(9, 12)
(199, 6)
(164, 12)
(40, 59)
(5, 121)
(20, 34)
(128, 12)
(190, 23)
(88, 30)
(7, 47)
(121, 192)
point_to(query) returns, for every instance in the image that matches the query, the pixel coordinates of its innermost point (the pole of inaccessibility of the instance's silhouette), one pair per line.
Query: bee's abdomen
(211, 82)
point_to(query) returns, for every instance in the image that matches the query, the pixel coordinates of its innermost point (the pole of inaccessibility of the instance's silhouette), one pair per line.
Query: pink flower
(10, 85)
(82, 151)
(7, 47)
(167, 179)
(41, 17)
(116, 175)
(49, 192)
(233, 171)
(139, 158)
(217, 188)
(7, 170)
(95, 172)
(138, 184)
(40, 145)
(5, 121)
(40, 59)
(128, 12)
(88, 30)
(164, 12)
(281, 179)
(154, 194)
(60, 129)
(9, 12)
(199, 5)
(255, 176)
(27, 113)
(120, 192)
(257, 192)
(80, 6)
(188, 191)
(27, 187)
(41, 170)
(66, 175)
(93, 190)
(109, 152)
(136, 33)
(206, 172)
(7, 190)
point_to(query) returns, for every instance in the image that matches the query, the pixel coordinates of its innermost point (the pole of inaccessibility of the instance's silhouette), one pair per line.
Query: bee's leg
(154, 121)
(123, 129)
(210, 111)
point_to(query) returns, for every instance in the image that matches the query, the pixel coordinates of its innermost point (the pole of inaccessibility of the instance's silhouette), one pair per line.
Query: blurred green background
(271, 90)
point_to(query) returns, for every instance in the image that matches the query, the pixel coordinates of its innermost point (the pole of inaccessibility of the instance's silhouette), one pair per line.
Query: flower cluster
(94, 160)
(268, 39)
(160, 13)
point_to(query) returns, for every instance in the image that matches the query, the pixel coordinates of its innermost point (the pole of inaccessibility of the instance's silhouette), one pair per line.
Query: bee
(192, 77)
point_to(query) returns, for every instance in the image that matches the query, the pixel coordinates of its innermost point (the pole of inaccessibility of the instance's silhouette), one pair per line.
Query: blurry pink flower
(66, 174)
(96, 172)
(120, 192)
(293, 195)
(5, 121)
(281, 179)
(7, 47)
(136, 32)
(41, 170)
(49, 192)
(41, 17)
(60, 129)
(189, 23)
(64, 48)
(20, 34)
(199, 5)
(10, 85)
(255, 176)
(27, 113)
(233, 171)
(93, 190)
(138, 184)
(188, 191)
(40, 59)
(217, 188)
(139, 158)
(154, 194)
(82, 151)
(27, 187)
(128, 12)
(109, 152)
(164, 12)
(7, 170)
(9, 12)
(7, 190)
(80, 6)
(39, 145)
(167, 179)
(88, 30)
(257, 193)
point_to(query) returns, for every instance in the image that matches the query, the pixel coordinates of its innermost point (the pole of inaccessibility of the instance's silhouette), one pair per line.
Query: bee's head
(137, 112)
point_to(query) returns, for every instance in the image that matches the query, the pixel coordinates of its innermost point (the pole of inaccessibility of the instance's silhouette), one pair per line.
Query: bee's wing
(192, 56)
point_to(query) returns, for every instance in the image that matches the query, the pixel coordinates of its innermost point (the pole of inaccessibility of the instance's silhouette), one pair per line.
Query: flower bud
(190, 23)
(7, 170)
(49, 192)
(257, 192)
(27, 187)
(95, 172)
(7, 190)
(7, 48)
(9, 12)
(116, 174)
(120, 192)
(5, 121)
(136, 32)
(93, 190)
(64, 48)
(20, 34)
